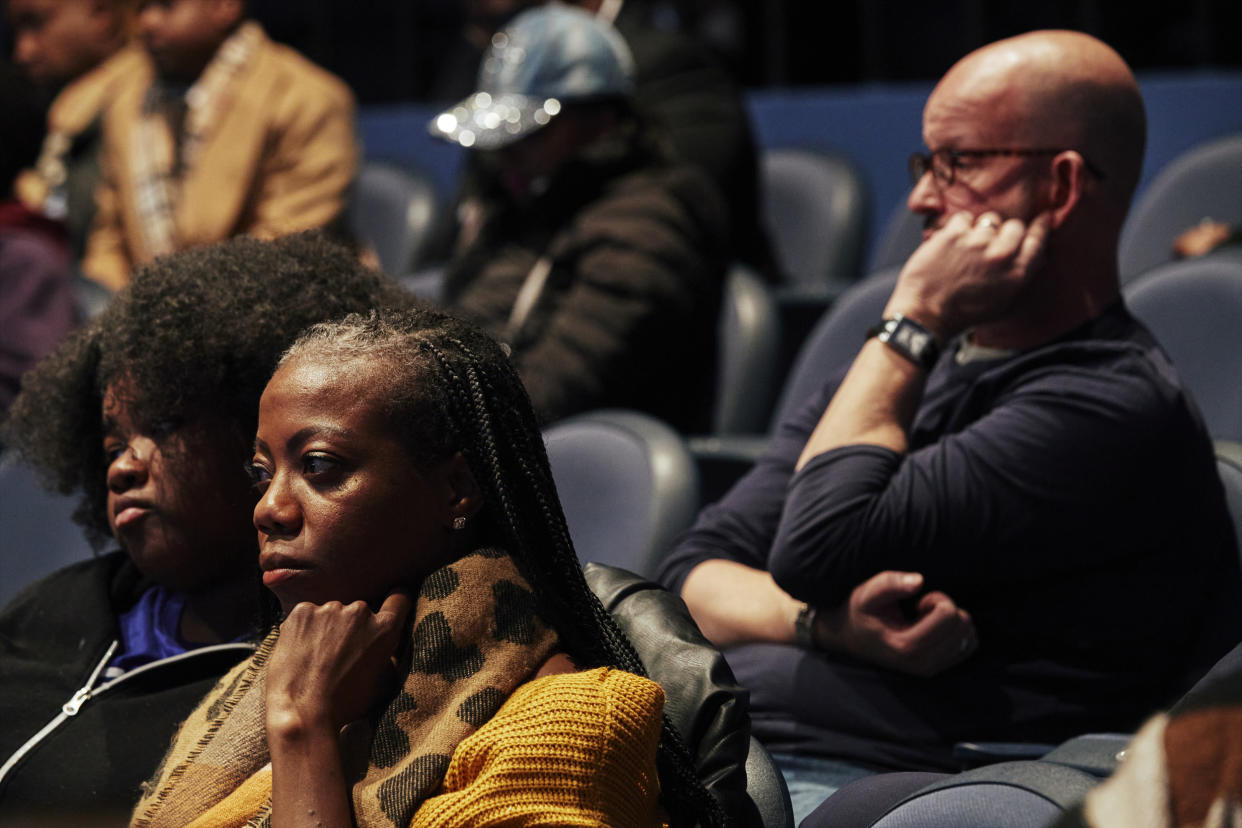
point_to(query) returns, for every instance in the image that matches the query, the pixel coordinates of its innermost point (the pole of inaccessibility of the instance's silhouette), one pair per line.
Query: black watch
(908, 338)
(804, 627)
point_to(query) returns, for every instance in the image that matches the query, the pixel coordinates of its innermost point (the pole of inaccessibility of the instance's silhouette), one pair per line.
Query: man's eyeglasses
(943, 163)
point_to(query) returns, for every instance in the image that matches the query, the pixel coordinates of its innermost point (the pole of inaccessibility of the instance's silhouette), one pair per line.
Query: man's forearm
(875, 404)
(735, 604)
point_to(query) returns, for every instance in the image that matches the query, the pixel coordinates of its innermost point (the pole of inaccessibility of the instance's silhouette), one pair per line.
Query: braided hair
(448, 387)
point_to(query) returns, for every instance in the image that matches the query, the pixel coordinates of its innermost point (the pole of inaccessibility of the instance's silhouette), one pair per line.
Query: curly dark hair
(449, 387)
(196, 335)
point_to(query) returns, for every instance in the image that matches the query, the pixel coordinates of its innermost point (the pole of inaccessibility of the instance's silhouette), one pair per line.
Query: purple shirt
(149, 630)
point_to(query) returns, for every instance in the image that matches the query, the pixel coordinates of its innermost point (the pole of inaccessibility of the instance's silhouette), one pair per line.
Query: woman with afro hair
(148, 412)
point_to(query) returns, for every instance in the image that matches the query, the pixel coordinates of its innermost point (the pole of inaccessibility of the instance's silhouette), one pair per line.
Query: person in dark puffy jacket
(597, 259)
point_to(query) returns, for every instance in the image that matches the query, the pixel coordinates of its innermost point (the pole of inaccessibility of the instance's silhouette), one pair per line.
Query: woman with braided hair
(441, 660)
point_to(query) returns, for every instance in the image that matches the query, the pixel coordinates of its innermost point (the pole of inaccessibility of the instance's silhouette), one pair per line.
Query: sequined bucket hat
(545, 58)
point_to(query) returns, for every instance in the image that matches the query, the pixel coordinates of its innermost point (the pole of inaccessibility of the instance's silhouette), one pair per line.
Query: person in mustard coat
(220, 132)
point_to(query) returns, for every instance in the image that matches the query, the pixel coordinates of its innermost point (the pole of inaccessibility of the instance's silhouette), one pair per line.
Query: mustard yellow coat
(572, 749)
(280, 158)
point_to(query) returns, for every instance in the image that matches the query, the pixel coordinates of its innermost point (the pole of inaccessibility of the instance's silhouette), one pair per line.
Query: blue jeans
(811, 780)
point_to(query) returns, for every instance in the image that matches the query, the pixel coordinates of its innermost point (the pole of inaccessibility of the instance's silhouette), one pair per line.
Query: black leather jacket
(702, 699)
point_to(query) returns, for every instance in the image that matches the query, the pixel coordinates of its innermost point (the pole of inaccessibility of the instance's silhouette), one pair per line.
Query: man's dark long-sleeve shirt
(1066, 497)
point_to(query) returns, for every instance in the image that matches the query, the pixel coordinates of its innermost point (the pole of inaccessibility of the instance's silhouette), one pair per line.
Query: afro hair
(196, 335)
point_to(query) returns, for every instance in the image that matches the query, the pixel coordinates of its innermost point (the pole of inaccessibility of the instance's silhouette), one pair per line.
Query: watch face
(912, 338)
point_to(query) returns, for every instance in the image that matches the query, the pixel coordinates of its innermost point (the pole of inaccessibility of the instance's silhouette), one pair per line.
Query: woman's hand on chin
(333, 662)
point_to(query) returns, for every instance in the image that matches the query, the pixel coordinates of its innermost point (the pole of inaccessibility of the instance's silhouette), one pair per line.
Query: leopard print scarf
(475, 637)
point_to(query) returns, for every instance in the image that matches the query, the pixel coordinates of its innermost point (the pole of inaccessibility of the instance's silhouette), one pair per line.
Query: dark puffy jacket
(628, 314)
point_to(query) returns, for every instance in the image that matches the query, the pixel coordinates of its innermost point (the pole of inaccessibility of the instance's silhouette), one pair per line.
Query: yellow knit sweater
(572, 749)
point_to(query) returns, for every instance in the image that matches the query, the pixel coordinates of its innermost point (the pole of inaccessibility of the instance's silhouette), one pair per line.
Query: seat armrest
(1095, 753)
(974, 754)
(722, 460)
(767, 788)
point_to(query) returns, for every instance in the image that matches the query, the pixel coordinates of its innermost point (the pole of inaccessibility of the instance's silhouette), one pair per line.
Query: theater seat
(816, 206)
(835, 340)
(1205, 182)
(1013, 794)
(627, 483)
(767, 787)
(1024, 794)
(37, 532)
(749, 339)
(395, 210)
(1193, 307)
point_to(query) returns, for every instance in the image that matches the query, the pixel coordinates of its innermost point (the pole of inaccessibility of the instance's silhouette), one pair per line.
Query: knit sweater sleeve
(569, 749)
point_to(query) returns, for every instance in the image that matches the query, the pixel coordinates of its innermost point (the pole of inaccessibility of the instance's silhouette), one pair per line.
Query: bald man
(1004, 522)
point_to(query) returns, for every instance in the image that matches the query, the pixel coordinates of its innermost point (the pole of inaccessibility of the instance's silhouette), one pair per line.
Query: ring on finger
(989, 222)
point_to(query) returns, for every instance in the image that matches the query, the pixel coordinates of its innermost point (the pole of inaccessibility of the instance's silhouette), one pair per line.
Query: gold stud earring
(459, 523)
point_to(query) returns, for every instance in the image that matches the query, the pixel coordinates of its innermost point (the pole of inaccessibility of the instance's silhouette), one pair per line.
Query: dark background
(389, 51)
(397, 50)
